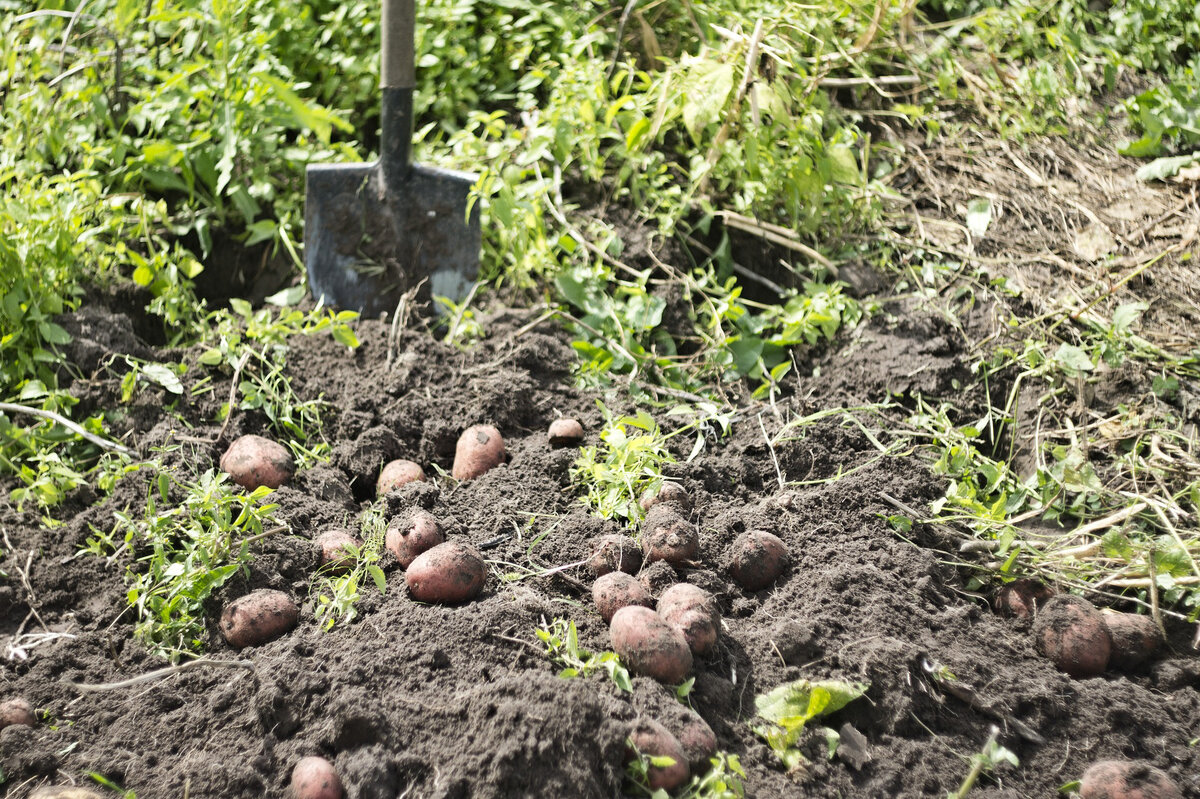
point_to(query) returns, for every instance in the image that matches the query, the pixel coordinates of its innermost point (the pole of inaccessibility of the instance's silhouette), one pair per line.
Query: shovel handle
(399, 21)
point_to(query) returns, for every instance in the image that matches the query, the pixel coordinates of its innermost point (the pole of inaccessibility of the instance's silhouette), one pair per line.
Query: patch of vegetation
(562, 646)
(786, 710)
(337, 587)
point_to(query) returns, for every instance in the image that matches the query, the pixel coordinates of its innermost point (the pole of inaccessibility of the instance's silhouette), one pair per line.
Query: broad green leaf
(163, 376)
(705, 92)
(979, 216)
(1073, 360)
(1126, 314)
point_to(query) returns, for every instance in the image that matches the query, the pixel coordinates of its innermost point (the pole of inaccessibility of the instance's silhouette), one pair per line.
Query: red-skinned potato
(335, 555)
(396, 473)
(565, 432)
(315, 778)
(411, 534)
(653, 739)
(694, 612)
(479, 448)
(698, 741)
(258, 617)
(1126, 779)
(1135, 639)
(649, 645)
(617, 590)
(447, 574)
(17, 711)
(254, 461)
(757, 560)
(614, 552)
(668, 492)
(1021, 598)
(668, 536)
(1072, 634)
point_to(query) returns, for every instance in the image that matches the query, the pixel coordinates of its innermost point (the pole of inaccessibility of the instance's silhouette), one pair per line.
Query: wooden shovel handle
(399, 20)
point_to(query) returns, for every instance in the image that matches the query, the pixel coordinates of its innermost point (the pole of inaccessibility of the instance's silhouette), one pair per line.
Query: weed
(723, 780)
(987, 760)
(562, 645)
(182, 550)
(336, 588)
(615, 474)
(788, 708)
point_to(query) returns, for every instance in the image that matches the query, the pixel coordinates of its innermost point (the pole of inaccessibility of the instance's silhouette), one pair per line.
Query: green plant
(987, 760)
(192, 537)
(105, 782)
(337, 588)
(562, 646)
(615, 474)
(787, 709)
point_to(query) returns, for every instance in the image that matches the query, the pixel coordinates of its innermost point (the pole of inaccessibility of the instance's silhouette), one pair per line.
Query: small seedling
(562, 645)
(788, 708)
(337, 594)
(987, 760)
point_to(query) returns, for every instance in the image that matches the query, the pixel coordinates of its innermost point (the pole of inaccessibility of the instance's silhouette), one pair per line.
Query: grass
(337, 588)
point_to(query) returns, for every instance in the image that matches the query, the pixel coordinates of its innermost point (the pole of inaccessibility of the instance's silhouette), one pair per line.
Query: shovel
(374, 232)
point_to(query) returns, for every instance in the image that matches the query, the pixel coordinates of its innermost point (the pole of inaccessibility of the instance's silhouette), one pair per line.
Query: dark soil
(423, 701)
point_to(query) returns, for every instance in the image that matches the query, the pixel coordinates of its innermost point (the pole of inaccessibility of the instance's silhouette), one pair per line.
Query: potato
(315, 778)
(1020, 598)
(17, 711)
(757, 559)
(616, 590)
(411, 534)
(397, 473)
(649, 645)
(335, 557)
(668, 492)
(258, 617)
(666, 535)
(614, 552)
(1135, 639)
(699, 742)
(565, 432)
(479, 448)
(1072, 633)
(695, 613)
(653, 739)
(1126, 779)
(254, 461)
(448, 574)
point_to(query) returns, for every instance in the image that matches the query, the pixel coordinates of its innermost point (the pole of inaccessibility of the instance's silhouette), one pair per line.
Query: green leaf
(1163, 168)
(845, 165)
(1073, 360)
(343, 335)
(979, 216)
(163, 376)
(211, 357)
(378, 576)
(795, 700)
(1126, 314)
(53, 334)
(319, 120)
(705, 93)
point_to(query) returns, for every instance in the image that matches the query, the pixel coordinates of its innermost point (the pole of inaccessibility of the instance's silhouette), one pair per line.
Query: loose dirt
(421, 701)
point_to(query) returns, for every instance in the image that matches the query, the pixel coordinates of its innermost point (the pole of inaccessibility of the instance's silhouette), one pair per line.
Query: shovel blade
(368, 241)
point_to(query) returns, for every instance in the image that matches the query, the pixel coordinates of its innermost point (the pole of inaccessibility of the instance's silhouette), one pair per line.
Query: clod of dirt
(757, 559)
(1073, 635)
(1126, 779)
(658, 577)
(63, 792)
(653, 739)
(396, 473)
(258, 617)
(254, 461)
(1020, 598)
(1135, 639)
(479, 449)
(565, 432)
(614, 552)
(15, 712)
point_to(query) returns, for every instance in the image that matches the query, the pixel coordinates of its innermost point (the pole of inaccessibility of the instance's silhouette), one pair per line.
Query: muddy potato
(396, 473)
(17, 711)
(479, 448)
(1126, 779)
(565, 432)
(653, 739)
(699, 742)
(667, 535)
(668, 492)
(616, 590)
(658, 577)
(258, 617)
(315, 778)
(335, 550)
(757, 559)
(1072, 634)
(447, 574)
(649, 645)
(1021, 598)
(410, 534)
(614, 552)
(1135, 639)
(694, 612)
(254, 461)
